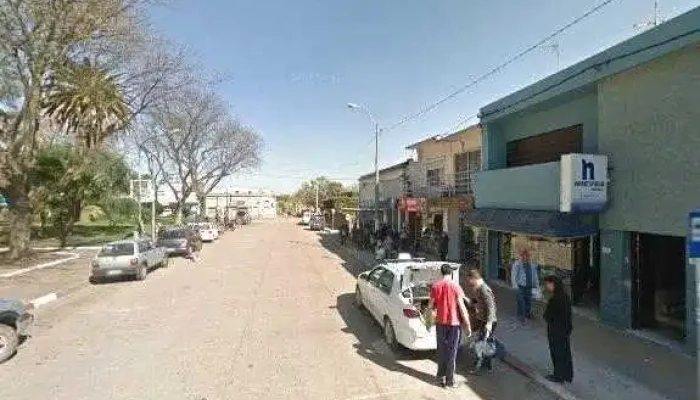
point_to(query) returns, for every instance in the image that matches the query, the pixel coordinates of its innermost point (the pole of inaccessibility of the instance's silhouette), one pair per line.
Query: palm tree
(86, 100)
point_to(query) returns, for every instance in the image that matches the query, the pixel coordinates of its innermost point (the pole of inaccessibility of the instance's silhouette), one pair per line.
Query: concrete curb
(5, 249)
(70, 257)
(53, 296)
(514, 363)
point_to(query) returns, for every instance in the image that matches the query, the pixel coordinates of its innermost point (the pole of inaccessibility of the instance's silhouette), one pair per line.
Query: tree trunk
(202, 199)
(20, 222)
(178, 213)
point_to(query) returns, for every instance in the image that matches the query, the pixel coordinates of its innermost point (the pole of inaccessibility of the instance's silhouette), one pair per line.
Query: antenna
(654, 22)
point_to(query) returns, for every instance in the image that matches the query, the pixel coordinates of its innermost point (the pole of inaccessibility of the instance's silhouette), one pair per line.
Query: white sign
(584, 183)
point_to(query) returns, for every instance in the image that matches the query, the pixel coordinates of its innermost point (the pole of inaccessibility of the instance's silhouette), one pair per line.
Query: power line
(497, 69)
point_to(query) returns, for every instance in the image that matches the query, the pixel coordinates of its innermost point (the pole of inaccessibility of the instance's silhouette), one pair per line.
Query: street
(267, 313)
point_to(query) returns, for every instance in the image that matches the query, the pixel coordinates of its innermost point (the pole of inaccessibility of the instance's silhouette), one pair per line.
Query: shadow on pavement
(499, 385)
(347, 252)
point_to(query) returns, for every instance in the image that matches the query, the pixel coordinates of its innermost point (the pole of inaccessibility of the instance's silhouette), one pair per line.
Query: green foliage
(66, 180)
(331, 193)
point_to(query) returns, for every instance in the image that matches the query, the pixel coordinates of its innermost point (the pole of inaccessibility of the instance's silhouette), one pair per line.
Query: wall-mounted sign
(694, 234)
(584, 183)
(411, 204)
(452, 203)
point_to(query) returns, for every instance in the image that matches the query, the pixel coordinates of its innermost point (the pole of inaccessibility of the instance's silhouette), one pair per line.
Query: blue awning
(550, 224)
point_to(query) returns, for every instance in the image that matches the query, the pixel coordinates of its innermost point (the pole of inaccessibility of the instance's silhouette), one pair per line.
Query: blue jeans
(448, 338)
(524, 297)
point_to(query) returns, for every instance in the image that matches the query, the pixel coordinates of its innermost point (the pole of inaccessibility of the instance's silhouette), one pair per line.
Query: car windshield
(117, 249)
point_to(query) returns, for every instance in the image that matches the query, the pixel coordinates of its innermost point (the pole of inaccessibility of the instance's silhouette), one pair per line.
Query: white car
(207, 231)
(396, 293)
(306, 218)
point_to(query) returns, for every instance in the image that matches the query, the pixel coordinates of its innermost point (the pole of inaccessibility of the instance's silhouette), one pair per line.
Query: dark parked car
(179, 241)
(317, 223)
(14, 324)
(243, 217)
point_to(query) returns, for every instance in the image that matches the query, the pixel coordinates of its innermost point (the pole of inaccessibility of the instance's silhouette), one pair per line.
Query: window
(375, 274)
(117, 249)
(386, 281)
(545, 147)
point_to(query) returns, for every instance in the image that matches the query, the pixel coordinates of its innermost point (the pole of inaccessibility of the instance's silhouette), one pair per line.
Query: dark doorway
(438, 222)
(585, 285)
(659, 264)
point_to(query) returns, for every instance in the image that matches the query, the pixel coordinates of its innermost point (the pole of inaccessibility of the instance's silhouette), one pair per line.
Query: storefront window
(554, 257)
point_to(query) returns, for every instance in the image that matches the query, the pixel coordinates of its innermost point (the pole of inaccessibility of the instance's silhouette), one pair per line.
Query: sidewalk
(608, 363)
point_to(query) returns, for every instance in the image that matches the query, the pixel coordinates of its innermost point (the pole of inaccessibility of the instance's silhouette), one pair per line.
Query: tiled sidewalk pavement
(608, 364)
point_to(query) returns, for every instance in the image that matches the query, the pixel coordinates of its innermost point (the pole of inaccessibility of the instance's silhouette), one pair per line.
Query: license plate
(114, 272)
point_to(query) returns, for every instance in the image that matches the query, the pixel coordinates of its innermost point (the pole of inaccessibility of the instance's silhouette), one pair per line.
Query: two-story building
(442, 180)
(393, 181)
(594, 169)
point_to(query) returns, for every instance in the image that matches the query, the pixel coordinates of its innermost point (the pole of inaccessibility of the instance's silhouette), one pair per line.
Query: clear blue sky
(294, 64)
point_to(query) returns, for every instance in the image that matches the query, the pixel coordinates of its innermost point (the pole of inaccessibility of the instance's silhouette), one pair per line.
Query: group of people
(473, 313)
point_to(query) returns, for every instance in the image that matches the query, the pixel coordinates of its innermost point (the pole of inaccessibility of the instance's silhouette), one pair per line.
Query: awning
(550, 224)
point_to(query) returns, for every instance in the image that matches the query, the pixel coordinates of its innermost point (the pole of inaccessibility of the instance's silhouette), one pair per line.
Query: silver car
(15, 322)
(128, 258)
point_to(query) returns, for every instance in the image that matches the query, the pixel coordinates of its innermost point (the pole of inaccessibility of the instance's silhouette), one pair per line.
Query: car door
(370, 294)
(385, 287)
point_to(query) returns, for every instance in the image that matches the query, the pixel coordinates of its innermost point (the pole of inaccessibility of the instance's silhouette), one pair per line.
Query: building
(260, 204)
(595, 169)
(442, 188)
(392, 185)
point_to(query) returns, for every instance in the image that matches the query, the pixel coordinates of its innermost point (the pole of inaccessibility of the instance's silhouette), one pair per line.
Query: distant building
(260, 204)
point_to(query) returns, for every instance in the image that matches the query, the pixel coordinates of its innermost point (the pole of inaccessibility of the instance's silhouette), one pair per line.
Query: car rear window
(173, 234)
(117, 249)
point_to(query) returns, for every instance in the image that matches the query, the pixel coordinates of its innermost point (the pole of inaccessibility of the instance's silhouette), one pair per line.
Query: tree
(196, 144)
(87, 100)
(41, 43)
(68, 178)
(327, 189)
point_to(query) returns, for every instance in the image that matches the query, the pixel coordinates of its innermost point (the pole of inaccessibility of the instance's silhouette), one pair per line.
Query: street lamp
(354, 106)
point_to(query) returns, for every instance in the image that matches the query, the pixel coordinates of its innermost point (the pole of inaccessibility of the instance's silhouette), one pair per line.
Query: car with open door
(396, 293)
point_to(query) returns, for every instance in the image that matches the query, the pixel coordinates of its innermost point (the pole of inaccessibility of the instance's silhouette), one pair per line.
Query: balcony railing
(446, 185)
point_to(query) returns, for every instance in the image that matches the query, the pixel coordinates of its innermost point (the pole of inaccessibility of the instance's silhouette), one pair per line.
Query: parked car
(305, 218)
(15, 322)
(243, 217)
(317, 223)
(181, 241)
(128, 258)
(396, 293)
(207, 231)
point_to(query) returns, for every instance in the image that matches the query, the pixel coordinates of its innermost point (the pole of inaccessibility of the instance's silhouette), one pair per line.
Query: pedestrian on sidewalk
(447, 303)
(524, 278)
(484, 319)
(444, 246)
(559, 327)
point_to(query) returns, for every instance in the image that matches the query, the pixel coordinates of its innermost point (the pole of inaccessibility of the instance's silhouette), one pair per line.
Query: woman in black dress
(559, 327)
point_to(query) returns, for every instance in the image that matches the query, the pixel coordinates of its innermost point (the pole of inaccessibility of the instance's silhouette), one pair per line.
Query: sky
(291, 66)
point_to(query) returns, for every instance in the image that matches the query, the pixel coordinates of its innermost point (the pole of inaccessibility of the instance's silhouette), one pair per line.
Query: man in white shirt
(524, 277)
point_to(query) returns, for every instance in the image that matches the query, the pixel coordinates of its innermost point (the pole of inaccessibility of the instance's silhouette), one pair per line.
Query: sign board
(694, 234)
(410, 204)
(584, 183)
(452, 203)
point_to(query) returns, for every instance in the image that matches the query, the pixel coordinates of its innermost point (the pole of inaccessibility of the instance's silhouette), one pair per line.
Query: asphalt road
(266, 313)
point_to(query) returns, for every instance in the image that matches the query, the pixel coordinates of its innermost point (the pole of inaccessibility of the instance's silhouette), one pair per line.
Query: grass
(89, 234)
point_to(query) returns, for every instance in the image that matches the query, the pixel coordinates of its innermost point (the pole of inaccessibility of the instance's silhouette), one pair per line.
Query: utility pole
(554, 47)
(376, 177)
(316, 184)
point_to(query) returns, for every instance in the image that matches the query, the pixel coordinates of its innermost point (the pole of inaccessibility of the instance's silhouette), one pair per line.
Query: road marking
(45, 299)
(71, 256)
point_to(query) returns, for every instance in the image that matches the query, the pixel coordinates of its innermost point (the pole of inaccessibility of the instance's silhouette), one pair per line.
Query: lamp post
(354, 106)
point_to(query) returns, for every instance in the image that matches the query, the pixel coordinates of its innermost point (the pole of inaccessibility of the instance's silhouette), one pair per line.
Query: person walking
(444, 246)
(483, 303)
(450, 315)
(559, 328)
(524, 278)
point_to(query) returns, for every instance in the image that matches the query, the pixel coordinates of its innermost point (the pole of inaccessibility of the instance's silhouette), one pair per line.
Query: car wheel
(359, 303)
(8, 342)
(390, 335)
(94, 280)
(142, 273)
